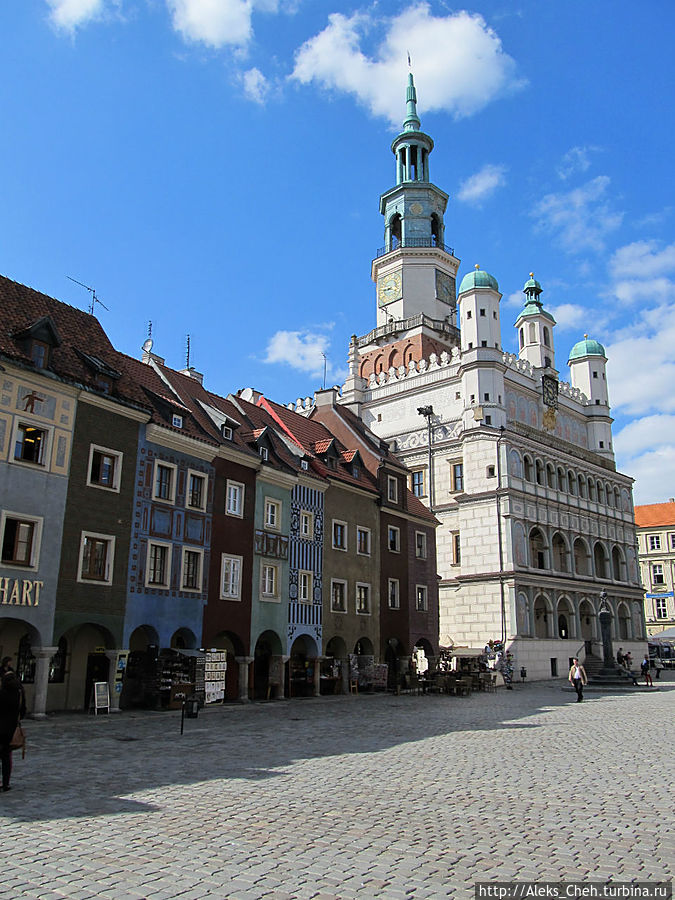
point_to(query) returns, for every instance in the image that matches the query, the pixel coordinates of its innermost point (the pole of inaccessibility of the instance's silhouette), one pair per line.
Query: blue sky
(215, 166)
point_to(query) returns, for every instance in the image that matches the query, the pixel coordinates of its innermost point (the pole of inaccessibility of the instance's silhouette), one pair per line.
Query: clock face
(445, 287)
(389, 288)
(416, 208)
(550, 391)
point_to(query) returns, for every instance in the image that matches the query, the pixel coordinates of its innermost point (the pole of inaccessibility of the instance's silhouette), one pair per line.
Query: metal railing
(396, 325)
(416, 242)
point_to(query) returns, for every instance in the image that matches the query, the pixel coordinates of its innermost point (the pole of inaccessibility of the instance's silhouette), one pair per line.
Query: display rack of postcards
(174, 668)
(215, 671)
(362, 668)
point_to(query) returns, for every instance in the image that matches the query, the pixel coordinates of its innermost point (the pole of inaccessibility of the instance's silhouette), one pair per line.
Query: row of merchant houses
(143, 517)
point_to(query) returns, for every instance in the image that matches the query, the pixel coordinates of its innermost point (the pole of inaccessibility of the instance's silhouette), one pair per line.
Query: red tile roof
(654, 514)
(81, 337)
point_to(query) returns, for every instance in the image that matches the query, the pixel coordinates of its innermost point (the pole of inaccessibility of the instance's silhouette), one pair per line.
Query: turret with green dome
(479, 278)
(587, 347)
(535, 328)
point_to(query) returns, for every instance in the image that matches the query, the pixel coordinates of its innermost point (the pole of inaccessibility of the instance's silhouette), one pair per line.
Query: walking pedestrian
(644, 665)
(12, 708)
(6, 665)
(658, 665)
(619, 656)
(577, 678)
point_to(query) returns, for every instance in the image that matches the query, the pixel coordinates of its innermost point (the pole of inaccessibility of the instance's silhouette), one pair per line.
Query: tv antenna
(324, 369)
(92, 291)
(187, 360)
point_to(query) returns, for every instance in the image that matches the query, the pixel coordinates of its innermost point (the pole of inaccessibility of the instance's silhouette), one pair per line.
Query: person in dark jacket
(12, 708)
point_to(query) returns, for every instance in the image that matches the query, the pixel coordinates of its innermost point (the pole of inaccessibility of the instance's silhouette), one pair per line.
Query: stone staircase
(615, 676)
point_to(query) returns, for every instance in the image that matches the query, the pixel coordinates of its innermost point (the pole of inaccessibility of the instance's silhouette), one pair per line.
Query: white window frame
(174, 477)
(672, 541)
(109, 558)
(272, 523)
(661, 607)
(37, 522)
(238, 488)
(46, 448)
(193, 473)
(176, 420)
(306, 518)
(233, 591)
(392, 489)
(394, 602)
(423, 548)
(423, 485)
(200, 553)
(361, 529)
(269, 597)
(421, 593)
(394, 530)
(363, 584)
(165, 585)
(305, 586)
(658, 575)
(654, 541)
(117, 473)
(335, 522)
(345, 596)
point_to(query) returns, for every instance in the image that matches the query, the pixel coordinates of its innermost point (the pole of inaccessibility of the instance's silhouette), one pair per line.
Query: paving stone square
(336, 798)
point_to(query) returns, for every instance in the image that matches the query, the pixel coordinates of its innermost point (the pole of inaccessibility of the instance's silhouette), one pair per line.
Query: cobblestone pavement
(344, 797)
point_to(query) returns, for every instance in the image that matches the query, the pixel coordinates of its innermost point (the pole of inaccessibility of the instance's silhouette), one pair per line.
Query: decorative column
(112, 672)
(42, 656)
(605, 617)
(317, 676)
(284, 660)
(243, 662)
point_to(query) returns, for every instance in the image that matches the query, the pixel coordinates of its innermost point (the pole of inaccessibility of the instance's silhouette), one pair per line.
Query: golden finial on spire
(531, 274)
(585, 337)
(476, 266)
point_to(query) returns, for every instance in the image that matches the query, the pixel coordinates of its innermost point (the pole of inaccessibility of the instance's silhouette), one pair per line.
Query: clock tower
(415, 271)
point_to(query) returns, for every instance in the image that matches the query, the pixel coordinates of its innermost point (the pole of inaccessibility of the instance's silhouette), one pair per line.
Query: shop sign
(19, 592)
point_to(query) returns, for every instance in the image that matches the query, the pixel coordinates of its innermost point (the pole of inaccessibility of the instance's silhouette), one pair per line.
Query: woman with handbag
(12, 708)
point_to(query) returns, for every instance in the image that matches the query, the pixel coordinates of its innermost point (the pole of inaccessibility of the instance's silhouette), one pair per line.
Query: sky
(214, 167)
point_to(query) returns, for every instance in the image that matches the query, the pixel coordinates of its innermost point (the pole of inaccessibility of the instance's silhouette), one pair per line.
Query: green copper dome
(587, 347)
(532, 285)
(478, 279)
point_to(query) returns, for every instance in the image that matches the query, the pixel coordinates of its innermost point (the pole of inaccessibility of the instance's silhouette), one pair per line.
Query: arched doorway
(302, 672)
(88, 663)
(564, 620)
(625, 630)
(336, 664)
(423, 653)
(361, 662)
(542, 616)
(268, 675)
(183, 639)
(587, 623)
(234, 648)
(395, 657)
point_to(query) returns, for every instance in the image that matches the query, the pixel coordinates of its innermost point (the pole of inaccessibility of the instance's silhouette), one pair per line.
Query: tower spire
(411, 121)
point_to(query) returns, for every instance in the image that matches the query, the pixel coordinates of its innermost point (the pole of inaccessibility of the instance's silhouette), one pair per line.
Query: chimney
(191, 372)
(326, 397)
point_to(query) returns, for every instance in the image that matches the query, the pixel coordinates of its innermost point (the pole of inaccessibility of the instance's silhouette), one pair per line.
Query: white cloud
(302, 350)
(571, 315)
(480, 186)
(652, 472)
(458, 61)
(217, 22)
(256, 86)
(648, 433)
(641, 367)
(581, 218)
(515, 300)
(69, 14)
(643, 259)
(575, 160)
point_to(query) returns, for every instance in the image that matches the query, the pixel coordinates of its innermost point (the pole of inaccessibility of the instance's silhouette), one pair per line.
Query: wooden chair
(353, 685)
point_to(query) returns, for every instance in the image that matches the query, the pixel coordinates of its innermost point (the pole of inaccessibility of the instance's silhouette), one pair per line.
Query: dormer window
(39, 353)
(103, 384)
(226, 432)
(264, 454)
(304, 465)
(177, 421)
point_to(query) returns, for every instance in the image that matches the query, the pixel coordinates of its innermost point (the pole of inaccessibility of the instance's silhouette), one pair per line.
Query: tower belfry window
(395, 232)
